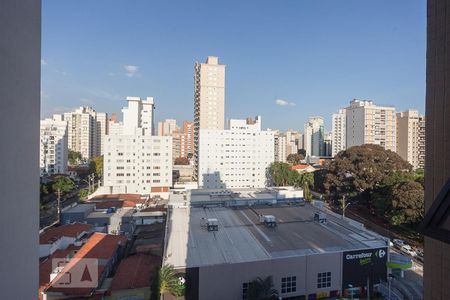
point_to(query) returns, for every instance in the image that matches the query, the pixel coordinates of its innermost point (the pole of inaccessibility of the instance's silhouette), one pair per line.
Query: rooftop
(135, 271)
(70, 230)
(242, 237)
(99, 246)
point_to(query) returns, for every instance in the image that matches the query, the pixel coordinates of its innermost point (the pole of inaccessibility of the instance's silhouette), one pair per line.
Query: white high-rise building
(53, 146)
(209, 101)
(292, 141)
(338, 125)
(86, 131)
(367, 123)
(135, 161)
(237, 157)
(280, 146)
(167, 127)
(313, 137)
(411, 137)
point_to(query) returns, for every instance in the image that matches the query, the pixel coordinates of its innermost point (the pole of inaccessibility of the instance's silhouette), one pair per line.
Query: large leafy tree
(168, 282)
(295, 158)
(62, 184)
(96, 166)
(262, 289)
(74, 157)
(361, 169)
(407, 203)
(281, 174)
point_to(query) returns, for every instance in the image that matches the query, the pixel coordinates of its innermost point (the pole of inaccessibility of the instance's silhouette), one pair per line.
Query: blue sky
(317, 55)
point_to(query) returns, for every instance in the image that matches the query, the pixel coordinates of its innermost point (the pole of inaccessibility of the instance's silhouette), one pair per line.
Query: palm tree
(169, 282)
(262, 289)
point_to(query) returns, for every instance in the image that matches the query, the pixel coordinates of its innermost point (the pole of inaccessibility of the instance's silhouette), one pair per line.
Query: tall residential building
(237, 157)
(338, 125)
(114, 126)
(138, 116)
(86, 131)
(411, 137)
(187, 140)
(135, 161)
(313, 137)
(53, 146)
(209, 101)
(280, 147)
(292, 141)
(367, 123)
(167, 127)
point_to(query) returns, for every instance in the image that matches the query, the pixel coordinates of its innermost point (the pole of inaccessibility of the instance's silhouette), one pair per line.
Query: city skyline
(262, 78)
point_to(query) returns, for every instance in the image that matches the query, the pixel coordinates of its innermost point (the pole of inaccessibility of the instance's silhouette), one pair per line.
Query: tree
(294, 158)
(262, 289)
(74, 157)
(168, 282)
(61, 185)
(181, 161)
(281, 174)
(302, 152)
(361, 169)
(407, 203)
(96, 166)
(83, 193)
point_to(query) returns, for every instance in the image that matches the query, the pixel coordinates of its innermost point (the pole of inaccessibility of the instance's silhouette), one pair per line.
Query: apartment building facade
(314, 134)
(338, 132)
(209, 101)
(167, 127)
(86, 131)
(411, 137)
(237, 157)
(53, 154)
(367, 123)
(136, 161)
(280, 147)
(187, 140)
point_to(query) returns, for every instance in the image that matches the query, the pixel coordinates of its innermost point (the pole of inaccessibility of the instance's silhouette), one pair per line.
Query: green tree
(262, 289)
(281, 174)
(96, 166)
(61, 185)
(294, 158)
(362, 169)
(181, 161)
(74, 157)
(168, 282)
(83, 194)
(407, 203)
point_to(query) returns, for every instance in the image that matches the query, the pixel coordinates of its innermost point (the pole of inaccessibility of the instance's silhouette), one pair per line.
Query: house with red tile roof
(60, 237)
(85, 272)
(134, 276)
(303, 168)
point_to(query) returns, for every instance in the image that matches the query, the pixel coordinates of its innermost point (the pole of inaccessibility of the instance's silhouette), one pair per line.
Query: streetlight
(344, 206)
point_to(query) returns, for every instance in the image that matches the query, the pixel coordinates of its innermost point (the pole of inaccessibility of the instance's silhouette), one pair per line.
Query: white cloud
(284, 102)
(43, 62)
(131, 71)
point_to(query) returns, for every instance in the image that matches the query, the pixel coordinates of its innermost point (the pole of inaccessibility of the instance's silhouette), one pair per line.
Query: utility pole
(59, 206)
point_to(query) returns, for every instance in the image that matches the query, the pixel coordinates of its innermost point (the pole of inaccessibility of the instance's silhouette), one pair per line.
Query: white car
(407, 249)
(398, 243)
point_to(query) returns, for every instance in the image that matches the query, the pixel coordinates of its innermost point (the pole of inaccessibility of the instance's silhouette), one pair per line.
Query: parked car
(398, 243)
(408, 250)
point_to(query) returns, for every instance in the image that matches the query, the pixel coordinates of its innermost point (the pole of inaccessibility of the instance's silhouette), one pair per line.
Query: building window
(288, 284)
(323, 280)
(245, 287)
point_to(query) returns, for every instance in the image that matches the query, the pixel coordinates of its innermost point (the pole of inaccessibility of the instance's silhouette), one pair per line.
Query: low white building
(53, 146)
(135, 161)
(237, 157)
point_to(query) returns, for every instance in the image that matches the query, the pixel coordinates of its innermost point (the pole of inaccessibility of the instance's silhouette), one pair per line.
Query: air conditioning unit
(212, 224)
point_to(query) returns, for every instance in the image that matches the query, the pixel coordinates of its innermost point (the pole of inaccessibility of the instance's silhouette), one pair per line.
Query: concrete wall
(437, 163)
(225, 281)
(20, 59)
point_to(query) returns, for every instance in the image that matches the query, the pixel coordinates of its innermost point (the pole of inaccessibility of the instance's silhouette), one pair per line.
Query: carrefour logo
(380, 253)
(358, 256)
